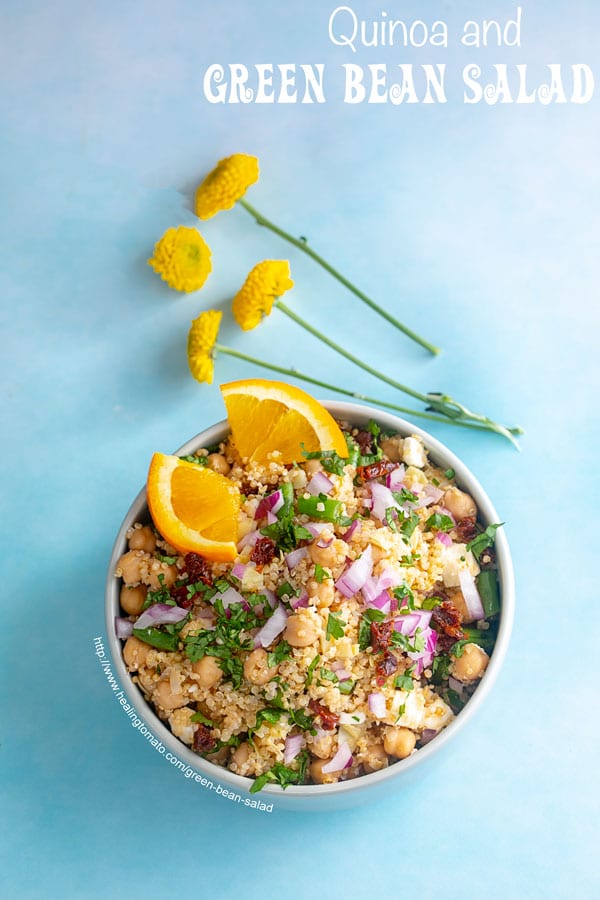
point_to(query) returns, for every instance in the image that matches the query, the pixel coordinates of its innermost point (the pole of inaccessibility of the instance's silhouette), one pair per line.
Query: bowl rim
(356, 414)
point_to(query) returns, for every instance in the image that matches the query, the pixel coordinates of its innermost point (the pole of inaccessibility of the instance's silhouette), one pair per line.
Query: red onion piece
(408, 624)
(292, 559)
(271, 597)
(356, 575)
(123, 628)
(319, 484)
(272, 628)
(434, 492)
(271, 503)
(322, 544)
(382, 500)
(383, 602)
(161, 614)
(377, 705)
(248, 540)
(471, 595)
(374, 586)
(395, 477)
(316, 528)
(239, 570)
(342, 673)
(229, 597)
(354, 529)
(341, 760)
(456, 685)
(271, 518)
(299, 602)
(293, 745)
(427, 735)
(443, 538)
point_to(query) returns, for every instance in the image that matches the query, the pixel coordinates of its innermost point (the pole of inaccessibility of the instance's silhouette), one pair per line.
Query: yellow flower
(182, 259)
(268, 280)
(228, 181)
(201, 343)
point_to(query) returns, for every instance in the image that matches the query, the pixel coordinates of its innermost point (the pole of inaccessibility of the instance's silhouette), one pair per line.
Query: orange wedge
(193, 508)
(270, 415)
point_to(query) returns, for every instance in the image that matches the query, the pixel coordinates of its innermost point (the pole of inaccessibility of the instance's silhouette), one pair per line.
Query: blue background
(479, 227)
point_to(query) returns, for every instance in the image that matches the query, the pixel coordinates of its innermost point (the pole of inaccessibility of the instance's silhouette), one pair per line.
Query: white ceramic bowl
(366, 787)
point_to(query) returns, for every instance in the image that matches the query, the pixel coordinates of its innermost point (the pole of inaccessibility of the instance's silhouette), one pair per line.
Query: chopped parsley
(450, 473)
(282, 651)
(405, 496)
(440, 668)
(301, 719)
(321, 574)
(397, 639)
(311, 669)
(390, 518)
(484, 540)
(199, 460)
(283, 775)
(410, 560)
(403, 594)
(404, 682)
(167, 560)
(439, 522)
(200, 717)
(286, 590)
(335, 627)
(364, 627)
(408, 526)
(271, 714)
(346, 686)
(431, 602)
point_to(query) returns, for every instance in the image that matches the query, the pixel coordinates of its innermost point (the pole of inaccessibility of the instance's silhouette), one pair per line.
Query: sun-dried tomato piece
(376, 469)
(381, 633)
(364, 439)
(466, 529)
(180, 596)
(204, 741)
(445, 618)
(328, 719)
(386, 667)
(263, 551)
(197, 568)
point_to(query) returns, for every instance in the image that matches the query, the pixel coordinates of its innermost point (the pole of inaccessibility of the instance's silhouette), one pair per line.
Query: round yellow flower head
(228, 181)
(268, 280)
(182, 259)
(201, 343)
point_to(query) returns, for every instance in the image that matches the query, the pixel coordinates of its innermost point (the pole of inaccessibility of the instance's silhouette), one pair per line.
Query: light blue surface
(479, 227)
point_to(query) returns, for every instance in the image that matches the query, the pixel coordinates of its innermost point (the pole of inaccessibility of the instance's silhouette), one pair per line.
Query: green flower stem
(303, 245)
(445, 420)
(440, 403)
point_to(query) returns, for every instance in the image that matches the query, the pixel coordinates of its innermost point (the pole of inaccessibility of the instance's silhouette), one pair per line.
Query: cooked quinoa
(354, 625)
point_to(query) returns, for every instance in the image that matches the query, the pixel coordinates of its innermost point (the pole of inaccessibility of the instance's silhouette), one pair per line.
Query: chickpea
(399, 742)
(471, 664)
(132, 566)
(375, 758)
(319, 776)
(312, 466)
(133, 598)
(331, 556)
(241, 754)
(219, 758)
(165, 697)
(156, 568)
(300, 631)
(392, 447)
(461, 505)
(135, 653)
(256, 667)
(143, 539)
(218, 463)
(321, 594)
(321, 745)
(208, 670)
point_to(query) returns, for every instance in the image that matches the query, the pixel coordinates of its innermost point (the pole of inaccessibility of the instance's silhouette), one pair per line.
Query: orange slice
(194, 508)
(270, 415)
